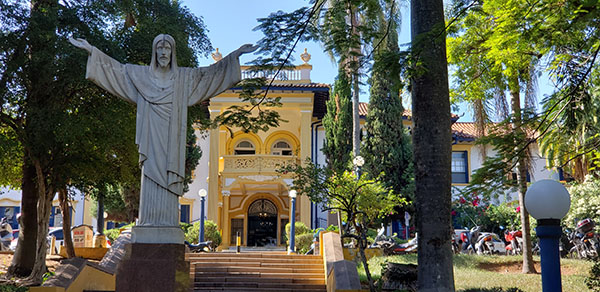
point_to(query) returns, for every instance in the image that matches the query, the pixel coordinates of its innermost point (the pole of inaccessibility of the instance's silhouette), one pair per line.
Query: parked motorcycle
(586, 243)
(514, 242)
(204, 246)
(6, 234)
(390, 247)
(469, 239)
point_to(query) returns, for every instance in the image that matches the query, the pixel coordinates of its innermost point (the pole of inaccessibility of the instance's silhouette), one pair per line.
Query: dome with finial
(217, 56)
(305, 57)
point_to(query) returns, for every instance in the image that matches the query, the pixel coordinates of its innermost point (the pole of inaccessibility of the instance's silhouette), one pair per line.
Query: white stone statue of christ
(162, 92)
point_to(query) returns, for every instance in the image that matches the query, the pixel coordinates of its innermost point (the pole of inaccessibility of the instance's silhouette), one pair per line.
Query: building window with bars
(460, 165)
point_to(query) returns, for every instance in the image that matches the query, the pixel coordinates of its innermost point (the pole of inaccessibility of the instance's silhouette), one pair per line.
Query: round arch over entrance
(262, 223)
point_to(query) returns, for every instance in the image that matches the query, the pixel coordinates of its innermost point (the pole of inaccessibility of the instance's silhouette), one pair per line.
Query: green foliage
(333, 228)
(387, 147)
(593, 280)
(303, 238)
(113, 234)
(47, 276)
(338, 125)
(572, 139)
(256, 111)
(585, 202)
(358, 199)
(494, 178)
(470, 211)
(11, 288)
(211, 232)
(493, 289)
(299, 228)
(11, 158)
(362, 202)
(303, 242)
(504, 215)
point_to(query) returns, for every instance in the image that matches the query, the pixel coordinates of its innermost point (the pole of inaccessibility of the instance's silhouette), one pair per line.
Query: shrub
(593, 280)
(494, 289)
(303, 238)
(211, 232)
(303, 242)
(112, 234)
(585, 202)
(11, 288)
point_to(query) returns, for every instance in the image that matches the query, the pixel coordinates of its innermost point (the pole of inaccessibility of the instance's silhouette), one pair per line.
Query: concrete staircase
(256, 271)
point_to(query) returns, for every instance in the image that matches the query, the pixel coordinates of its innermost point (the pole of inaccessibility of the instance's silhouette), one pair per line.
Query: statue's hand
(82, 44)
(245, 49)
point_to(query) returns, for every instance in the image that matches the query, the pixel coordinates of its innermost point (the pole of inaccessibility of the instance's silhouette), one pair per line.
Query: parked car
(496, 245)
(59, 238)
(13, 243)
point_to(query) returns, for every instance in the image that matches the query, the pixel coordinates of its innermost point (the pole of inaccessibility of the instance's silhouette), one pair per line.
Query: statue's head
(163, 52)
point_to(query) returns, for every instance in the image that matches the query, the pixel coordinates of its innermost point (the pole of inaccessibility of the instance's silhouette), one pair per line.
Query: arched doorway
(262, 223)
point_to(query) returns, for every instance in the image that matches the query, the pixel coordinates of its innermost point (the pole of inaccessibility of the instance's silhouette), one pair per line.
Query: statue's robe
(161, 122)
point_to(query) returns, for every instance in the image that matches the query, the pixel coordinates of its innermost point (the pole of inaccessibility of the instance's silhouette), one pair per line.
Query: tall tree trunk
(522, 167)
(43, 22)
(44, 208)
(24, 257)
(362, 245)
(355, 116)
(100, 214)
(432, 142)
(355, 77)
(63, 198)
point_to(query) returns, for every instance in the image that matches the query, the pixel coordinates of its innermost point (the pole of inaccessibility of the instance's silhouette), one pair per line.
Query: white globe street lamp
(292, 247)
(548, 201)
(359, 161)
(202, 194)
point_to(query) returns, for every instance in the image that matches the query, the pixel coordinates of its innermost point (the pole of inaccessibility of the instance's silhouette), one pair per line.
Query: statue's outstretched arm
(82, 44)
(244, 49)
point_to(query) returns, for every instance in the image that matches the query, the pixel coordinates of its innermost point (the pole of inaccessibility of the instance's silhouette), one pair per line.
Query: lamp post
(358, 162)
(202, 194)
(548, 201)
(292, 247)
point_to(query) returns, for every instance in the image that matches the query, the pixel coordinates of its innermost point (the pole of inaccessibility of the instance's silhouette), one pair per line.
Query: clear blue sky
(230, 24)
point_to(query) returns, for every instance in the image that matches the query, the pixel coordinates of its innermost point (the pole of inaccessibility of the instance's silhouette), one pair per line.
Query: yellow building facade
(246, 195)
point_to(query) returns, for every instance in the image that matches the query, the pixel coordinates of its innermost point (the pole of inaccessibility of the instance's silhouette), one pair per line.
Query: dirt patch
(516, 267)
(51, 261)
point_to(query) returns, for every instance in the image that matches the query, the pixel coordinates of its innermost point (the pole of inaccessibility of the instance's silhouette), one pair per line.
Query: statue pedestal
(157, 234)
(153, 268)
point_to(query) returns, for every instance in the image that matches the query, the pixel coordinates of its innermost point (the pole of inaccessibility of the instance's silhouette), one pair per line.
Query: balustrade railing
(293, 74)
(256, 163)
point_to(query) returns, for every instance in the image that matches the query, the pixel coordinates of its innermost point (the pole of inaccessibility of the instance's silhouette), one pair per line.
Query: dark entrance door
(262, 223)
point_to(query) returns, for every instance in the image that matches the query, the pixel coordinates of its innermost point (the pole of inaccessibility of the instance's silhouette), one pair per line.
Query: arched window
(244, 147)
(281, 148)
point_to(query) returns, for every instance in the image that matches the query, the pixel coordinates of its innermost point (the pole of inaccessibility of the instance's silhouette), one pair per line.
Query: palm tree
(492, 63)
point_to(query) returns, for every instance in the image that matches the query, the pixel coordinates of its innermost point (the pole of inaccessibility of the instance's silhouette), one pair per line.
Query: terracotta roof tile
(363, 109)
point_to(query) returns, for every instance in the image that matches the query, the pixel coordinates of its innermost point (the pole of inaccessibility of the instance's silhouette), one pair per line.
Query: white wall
(12, 198)
(201, 173)
(540, 171)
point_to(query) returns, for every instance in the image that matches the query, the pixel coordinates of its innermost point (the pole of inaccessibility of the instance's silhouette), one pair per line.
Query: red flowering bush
(468, 211)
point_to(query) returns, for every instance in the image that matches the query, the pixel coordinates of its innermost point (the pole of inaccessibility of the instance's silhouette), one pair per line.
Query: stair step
(254, 259)
(217, 277)
(247, 285)
(254, 271)
(318, 270)
(259, 264)
(248, 289)
(250, 255)
(258, 274)
(259, 279)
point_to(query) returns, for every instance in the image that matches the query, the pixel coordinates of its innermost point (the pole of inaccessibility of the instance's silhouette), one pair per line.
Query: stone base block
(153, 268)
(157, 234)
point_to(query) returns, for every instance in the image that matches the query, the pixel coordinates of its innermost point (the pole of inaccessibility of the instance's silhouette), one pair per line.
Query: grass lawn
(472, 271)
